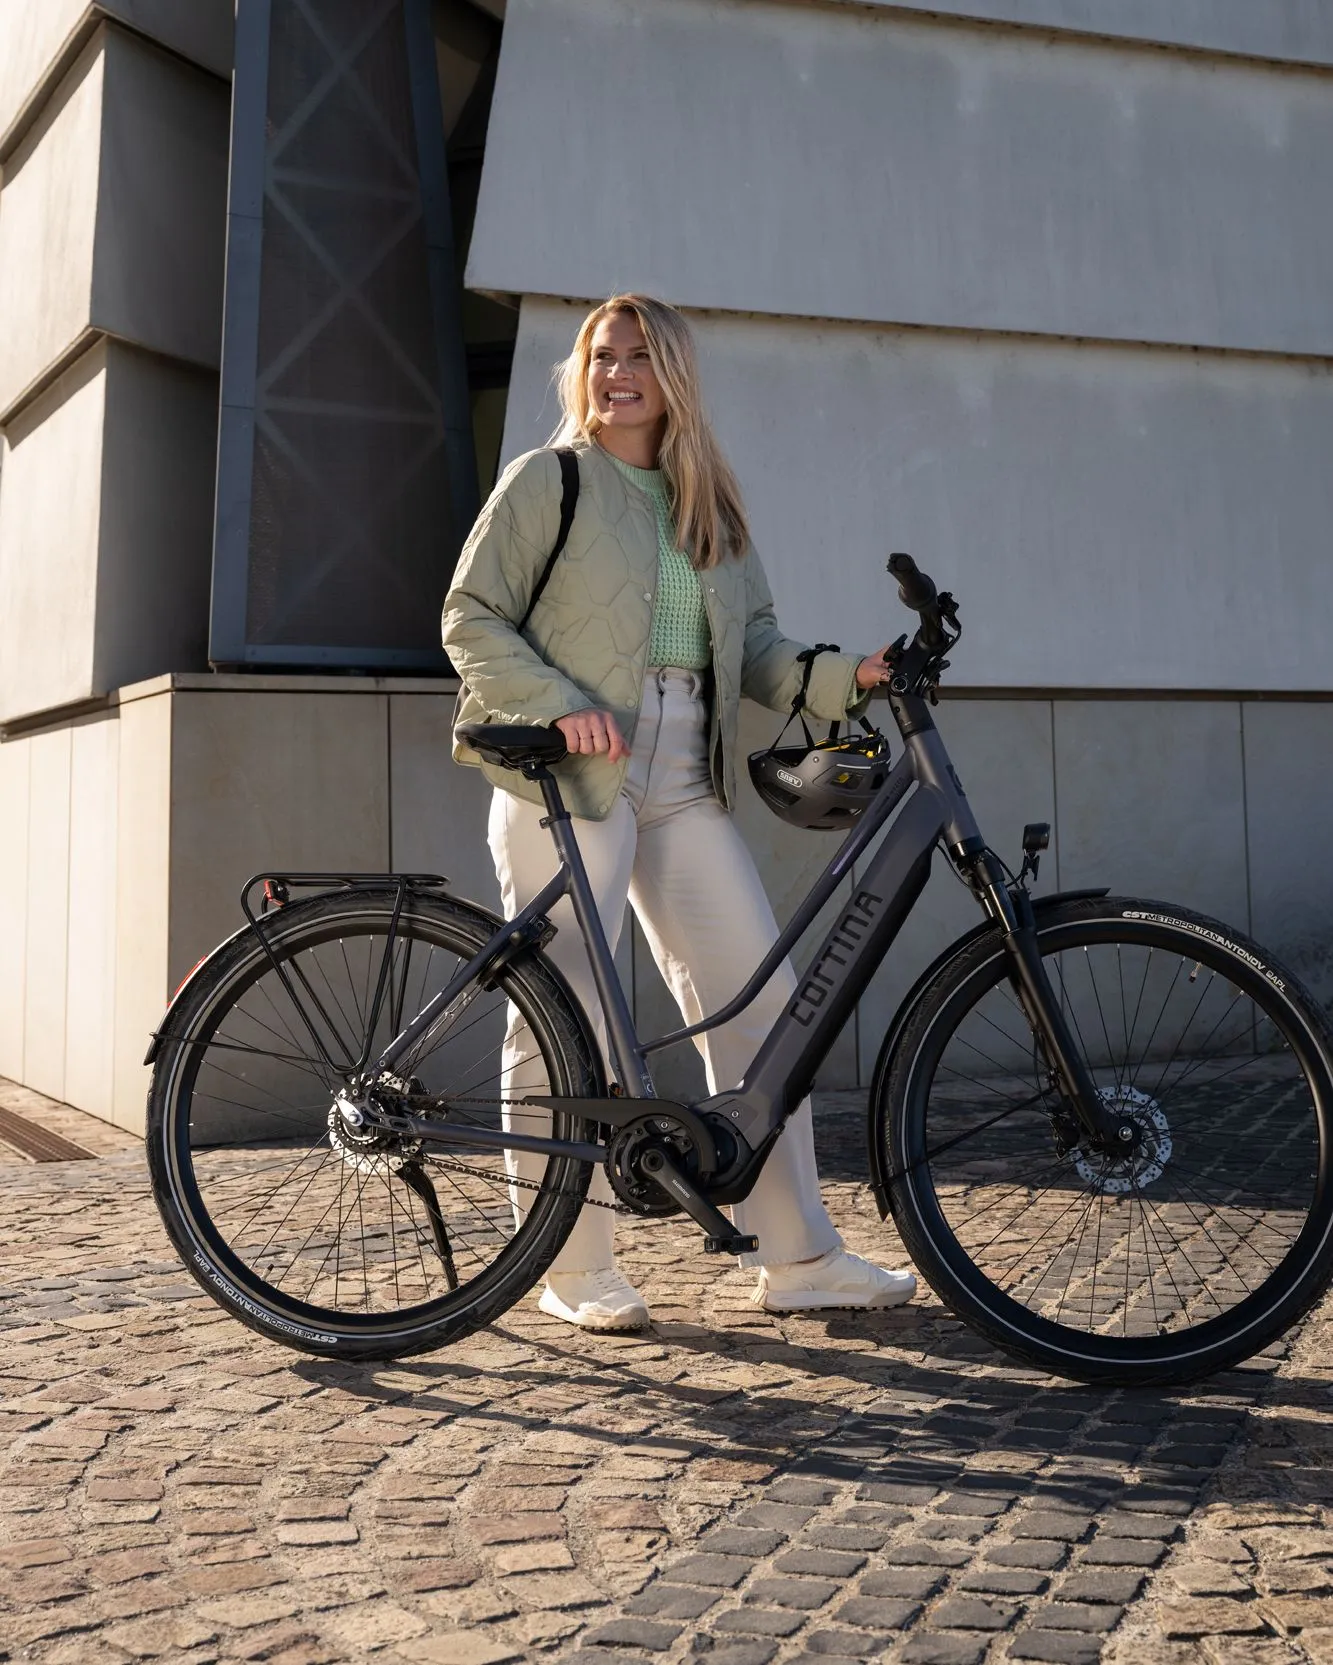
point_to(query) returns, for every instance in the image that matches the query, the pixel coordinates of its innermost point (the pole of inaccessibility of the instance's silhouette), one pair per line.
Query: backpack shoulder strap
(569, 499)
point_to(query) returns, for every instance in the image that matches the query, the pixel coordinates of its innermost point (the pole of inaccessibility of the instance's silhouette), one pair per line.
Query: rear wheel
(342, 1239)
(1194, 1249)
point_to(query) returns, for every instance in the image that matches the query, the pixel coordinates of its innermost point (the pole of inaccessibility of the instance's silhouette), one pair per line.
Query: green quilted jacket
(586, 644)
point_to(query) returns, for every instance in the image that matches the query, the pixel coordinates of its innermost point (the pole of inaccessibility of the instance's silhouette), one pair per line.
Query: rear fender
(162, 1032)
(878, 1177)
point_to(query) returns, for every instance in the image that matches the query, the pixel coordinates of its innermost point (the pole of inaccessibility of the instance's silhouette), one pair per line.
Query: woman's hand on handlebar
(593, 731)
(873, 670)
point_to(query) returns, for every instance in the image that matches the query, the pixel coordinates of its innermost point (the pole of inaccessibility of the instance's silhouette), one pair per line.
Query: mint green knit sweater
(680, 624)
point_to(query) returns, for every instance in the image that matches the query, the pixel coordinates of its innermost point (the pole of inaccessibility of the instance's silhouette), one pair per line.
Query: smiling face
(623, 389)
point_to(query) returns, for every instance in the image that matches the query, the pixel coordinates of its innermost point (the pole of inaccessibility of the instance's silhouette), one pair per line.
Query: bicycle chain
(476, 1173)
(522, 1184)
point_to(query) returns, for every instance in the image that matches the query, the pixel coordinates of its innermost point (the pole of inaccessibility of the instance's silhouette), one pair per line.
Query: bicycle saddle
(512, 745)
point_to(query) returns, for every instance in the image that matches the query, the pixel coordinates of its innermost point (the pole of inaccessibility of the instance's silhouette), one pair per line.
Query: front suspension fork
(1012, 911)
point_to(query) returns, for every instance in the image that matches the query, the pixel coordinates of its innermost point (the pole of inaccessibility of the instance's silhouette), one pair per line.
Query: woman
(655, 620)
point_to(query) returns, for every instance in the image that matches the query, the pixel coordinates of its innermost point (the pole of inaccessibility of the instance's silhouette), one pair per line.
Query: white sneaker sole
(584, 1318)
(813, 1300)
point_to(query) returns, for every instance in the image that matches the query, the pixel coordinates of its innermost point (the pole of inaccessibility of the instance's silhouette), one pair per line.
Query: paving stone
(1135, 1524)
(740, 1540)
(820, 1563)
(916, 1583)
(813, 1492)
(926, 1648)
(971, 1613)
(1062, 1647)
(846, 1536)
(973, 1503)
(741, 1653)
(918, 1554)
(804, 1594)
(1080, 1615)
(1049, 1523)
(634, 1633)
(758, 1621)
(878, 1613)
(513, 1529)
(844, 1644)
(915, 1496)
(1003, 1581)
(1219, 1617)
(672, 1601)
(721, 1572)
(1030, 1552)
(778, 1517)
(1100, 1584)
(1122, 1552)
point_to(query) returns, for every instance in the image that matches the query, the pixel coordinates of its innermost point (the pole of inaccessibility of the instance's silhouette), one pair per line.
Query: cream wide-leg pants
(670, 847)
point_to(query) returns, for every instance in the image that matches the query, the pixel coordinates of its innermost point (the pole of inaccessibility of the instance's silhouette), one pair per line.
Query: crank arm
(720, 1236)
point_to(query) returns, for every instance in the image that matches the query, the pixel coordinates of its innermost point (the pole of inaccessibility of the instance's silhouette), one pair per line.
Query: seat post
(626, 1052)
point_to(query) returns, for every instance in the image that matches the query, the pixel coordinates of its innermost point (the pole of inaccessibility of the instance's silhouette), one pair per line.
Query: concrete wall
(126, 837)
(105, 522)
(1293, 31)
(112, 215)
(833, 163)
(40, 38)
(112, 208)
(1109, 517)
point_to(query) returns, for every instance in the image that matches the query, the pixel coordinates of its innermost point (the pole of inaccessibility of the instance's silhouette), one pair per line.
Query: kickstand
(417, 1179)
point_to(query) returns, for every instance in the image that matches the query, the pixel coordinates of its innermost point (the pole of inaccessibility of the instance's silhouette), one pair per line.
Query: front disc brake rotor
(1139, 1167)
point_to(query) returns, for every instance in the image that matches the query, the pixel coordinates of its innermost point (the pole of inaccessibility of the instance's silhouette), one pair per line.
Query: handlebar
(917, 591)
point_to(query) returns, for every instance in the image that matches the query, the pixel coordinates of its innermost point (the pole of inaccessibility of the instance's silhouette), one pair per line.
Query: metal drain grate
(38, 1142)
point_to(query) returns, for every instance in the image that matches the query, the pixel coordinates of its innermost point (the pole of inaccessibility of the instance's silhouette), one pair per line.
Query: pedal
(736, 1244)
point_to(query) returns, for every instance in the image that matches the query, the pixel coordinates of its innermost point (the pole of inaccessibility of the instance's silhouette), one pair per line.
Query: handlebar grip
(915, 590)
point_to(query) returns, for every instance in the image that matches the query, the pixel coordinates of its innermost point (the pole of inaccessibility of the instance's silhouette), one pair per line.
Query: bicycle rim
(297, 1221)
(1211, 1235)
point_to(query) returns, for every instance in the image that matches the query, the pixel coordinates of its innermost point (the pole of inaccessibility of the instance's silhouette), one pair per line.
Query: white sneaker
(836, 1279)
(603, 1299)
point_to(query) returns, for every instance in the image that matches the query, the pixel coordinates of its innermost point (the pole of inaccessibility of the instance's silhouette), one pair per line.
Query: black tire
(1196, 1251)
(343, 1248)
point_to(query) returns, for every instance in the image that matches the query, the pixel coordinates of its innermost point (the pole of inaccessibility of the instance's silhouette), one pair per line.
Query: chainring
(639, 1191)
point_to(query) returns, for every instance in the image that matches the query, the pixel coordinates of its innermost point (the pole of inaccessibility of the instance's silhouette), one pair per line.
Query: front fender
(878, 1177)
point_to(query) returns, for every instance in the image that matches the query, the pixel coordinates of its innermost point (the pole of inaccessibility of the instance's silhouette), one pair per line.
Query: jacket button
(647, 595)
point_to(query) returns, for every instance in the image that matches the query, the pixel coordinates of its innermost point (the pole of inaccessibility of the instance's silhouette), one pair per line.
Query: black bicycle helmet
(822, 785)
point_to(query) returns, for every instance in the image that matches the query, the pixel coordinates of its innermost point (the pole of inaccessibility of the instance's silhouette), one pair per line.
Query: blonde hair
(706, 503)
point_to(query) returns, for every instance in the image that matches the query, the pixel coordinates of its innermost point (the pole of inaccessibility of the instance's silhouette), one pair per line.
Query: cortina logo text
(844, 942)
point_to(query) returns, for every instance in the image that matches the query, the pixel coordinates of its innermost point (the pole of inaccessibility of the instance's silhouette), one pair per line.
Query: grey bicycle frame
(784, 1067)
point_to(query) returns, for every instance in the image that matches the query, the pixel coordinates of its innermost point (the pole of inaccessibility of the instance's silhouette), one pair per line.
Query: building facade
(1039, 290)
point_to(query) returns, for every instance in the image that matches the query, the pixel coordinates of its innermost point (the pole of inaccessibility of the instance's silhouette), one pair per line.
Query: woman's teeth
(623, 398)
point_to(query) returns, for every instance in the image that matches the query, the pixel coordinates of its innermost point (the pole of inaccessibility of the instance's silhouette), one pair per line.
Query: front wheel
(1193, 1250)
(342, 1239)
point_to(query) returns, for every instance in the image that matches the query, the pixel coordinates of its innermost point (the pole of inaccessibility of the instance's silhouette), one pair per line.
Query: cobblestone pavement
(728, 1487)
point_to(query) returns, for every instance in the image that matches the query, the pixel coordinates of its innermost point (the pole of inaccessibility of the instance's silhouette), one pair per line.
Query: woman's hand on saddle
(872, 671)
(593, 731)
